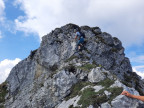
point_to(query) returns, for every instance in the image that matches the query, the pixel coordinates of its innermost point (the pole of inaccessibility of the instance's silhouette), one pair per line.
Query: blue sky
(24, 22)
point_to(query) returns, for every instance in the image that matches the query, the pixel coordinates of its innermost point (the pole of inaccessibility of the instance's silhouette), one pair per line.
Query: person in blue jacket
(80, 37)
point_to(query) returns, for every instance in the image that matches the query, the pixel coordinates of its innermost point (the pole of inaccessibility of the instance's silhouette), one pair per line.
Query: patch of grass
(3, 92)
(87, 67)
(90, 97)
(71, 58)
(86, 98)
(75, 90)
(106, 83)
(1, 106)
(99, 65)
(115, 91)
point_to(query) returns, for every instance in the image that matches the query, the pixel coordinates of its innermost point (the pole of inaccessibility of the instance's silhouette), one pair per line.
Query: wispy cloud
(139, 70)
(122, 18)
(5, 68)
(6, 24)
(2, 7)
(0, 34)
(138, 59)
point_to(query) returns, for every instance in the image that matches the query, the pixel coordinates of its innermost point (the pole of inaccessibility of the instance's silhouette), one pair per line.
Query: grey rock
(67, 104)
(90, 106)
(98, 74)
(47, 76)
(98, 88)
(105, 105)
(124, 102)
(107, 93)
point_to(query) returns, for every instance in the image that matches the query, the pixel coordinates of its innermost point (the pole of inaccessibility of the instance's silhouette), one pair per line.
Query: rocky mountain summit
(54, 76)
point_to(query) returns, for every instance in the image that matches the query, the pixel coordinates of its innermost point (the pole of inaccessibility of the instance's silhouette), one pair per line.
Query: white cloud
(2, 7)
(5, 68)
(121, 18)
(139, 70)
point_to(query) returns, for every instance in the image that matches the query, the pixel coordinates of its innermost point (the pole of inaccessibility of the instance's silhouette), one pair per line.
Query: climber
(126, 93)
(80, 37)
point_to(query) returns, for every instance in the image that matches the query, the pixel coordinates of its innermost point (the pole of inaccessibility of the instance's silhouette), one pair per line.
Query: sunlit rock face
(54, 76)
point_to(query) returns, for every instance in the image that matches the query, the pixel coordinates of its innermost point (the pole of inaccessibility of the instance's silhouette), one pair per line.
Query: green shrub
(3, 92)
(90, 97)
(106, 83)
(115, 91)
(87, 67)
(75, 90)
(71, 58)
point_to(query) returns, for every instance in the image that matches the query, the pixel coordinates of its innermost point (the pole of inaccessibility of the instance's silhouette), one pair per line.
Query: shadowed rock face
(49, 77)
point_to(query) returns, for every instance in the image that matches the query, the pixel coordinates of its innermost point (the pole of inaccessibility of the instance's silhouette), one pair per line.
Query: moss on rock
(75, 90)
(87, 67)
(90, 97)
(106, 83)
(3, 92)
(115, 91)
(71, 58)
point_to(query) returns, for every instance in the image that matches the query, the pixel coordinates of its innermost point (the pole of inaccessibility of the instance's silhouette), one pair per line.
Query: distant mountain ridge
(54, 77)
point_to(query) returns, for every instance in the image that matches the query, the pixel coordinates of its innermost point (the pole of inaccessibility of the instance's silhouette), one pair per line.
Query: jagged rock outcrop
(54, 77)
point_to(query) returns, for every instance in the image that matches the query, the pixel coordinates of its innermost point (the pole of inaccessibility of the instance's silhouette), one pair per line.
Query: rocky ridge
(54, 77)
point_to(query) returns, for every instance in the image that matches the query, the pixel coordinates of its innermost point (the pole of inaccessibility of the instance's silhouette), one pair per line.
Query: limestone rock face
(99, 74)
(54, 76)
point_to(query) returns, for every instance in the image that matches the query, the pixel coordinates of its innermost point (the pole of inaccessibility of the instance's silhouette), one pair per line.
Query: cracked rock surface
(54, 76)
